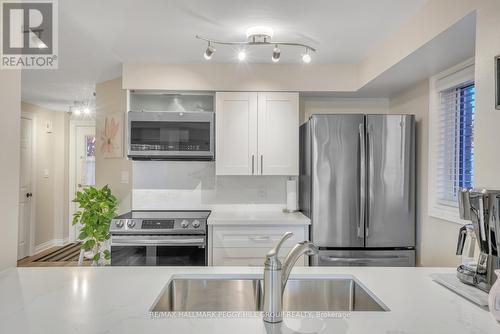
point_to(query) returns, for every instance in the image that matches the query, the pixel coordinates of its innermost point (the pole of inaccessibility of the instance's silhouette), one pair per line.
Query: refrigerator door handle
(369, 145)
(362, 180)
(360, 259)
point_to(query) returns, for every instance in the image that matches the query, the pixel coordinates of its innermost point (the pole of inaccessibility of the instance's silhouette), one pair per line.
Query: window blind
(456, 142)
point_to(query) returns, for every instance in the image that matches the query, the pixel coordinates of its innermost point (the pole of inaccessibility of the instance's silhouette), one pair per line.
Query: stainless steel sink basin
(194, 294)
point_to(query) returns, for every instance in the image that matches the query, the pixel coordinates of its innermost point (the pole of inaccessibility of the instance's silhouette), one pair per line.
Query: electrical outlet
(262, 193)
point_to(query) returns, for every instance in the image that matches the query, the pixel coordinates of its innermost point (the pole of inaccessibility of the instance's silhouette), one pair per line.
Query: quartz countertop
(117, 299)
(256, 217)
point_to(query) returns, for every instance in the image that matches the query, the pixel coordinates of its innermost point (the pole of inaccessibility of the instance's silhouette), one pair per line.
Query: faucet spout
(276, 276)
(304, 247)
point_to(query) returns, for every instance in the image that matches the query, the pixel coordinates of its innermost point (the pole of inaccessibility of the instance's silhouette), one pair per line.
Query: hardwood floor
(60, 256)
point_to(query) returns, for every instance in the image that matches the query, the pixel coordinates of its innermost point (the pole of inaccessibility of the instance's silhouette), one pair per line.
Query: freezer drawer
(364, 258)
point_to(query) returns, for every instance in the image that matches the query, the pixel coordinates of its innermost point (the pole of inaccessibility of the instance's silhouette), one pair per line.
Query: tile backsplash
(164, 185)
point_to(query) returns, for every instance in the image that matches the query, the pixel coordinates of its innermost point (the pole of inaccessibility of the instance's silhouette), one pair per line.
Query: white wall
(10, 118)
(241, 77)
(487, 118)
(436, 238)
(327, 105)
(111, 98)
(193, 185)
(51, 198)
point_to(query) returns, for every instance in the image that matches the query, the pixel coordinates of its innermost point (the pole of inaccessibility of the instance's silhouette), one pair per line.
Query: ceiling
(96, 37)
(453, 46)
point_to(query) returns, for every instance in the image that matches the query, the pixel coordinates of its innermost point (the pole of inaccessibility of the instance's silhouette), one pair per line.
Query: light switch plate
(46, 173)
(124, 179)
(48, 127)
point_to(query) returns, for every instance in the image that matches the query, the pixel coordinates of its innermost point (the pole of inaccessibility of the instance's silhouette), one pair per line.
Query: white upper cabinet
(257, 133)
(236, 135)
(278, 133)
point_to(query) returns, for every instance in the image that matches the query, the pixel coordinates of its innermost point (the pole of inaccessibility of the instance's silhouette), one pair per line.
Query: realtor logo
(29, 38)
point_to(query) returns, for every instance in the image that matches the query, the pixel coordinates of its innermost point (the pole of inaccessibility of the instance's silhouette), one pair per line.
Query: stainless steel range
(159, 238)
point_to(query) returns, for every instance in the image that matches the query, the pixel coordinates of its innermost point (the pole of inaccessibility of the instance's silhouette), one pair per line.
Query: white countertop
(256, 217)
(117, 299)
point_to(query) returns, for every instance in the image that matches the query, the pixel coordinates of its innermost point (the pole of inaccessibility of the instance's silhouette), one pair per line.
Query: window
(451, 139)
(88, 162)
(456, 151)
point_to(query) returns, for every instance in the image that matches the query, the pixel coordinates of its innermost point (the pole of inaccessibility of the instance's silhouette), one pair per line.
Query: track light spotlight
(276, 54)
(242, 55)
(306, 57)
(209, 52)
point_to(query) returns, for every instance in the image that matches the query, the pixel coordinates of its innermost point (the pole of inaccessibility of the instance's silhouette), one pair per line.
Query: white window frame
(452, 77)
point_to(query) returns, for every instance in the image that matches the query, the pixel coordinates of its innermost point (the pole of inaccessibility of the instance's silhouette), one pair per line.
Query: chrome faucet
(276, 276)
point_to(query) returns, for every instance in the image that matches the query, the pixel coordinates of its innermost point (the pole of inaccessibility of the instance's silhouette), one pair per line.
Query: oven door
(171, 135)
(154, 250)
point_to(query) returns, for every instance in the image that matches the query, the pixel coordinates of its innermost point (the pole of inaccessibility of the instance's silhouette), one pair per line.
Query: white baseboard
(48, 244)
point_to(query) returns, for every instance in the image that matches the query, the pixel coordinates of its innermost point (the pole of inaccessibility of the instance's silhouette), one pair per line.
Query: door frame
(73, 125)
(31, 224)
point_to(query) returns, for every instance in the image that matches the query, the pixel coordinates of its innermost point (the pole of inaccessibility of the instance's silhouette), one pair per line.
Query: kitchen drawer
(247, 256)
(256, 236)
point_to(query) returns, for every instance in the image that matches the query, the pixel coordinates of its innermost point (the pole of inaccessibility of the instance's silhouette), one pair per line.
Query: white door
(84, 163)
(278, 133)
(236, 133)
(25, 195)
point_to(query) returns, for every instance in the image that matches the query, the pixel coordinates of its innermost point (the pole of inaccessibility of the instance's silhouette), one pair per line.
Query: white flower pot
(494, 297)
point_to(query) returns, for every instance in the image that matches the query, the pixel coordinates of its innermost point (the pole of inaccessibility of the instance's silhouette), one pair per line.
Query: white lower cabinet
(232, 256)
(247, 245)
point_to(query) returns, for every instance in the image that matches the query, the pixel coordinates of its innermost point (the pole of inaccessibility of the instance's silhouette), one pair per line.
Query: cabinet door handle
(252, 163)
(262, 164)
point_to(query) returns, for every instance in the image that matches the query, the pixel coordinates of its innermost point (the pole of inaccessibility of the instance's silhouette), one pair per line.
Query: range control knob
(196, 223)
(131, 224)
(119, 223)
(184, 224)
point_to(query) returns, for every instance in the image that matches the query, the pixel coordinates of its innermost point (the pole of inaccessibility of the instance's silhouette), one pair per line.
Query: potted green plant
(97, 207)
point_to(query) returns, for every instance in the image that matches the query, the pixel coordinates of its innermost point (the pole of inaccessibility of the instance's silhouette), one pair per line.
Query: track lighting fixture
(257, 36)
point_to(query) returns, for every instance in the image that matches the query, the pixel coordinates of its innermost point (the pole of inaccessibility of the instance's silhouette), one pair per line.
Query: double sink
(245, 293)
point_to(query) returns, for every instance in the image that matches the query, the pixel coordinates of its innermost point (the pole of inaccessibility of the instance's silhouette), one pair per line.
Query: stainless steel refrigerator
(357, 185)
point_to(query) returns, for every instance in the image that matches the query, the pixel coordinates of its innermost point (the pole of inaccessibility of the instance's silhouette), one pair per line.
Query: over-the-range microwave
(165, 135)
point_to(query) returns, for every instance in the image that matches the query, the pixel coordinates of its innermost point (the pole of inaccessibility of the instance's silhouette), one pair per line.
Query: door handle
(28, 195)
(253, 158)
(362, 180)
(369, 144)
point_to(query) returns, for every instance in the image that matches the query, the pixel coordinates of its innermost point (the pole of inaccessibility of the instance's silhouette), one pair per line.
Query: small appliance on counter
(466, 249)
(482, 208)
(159, 238)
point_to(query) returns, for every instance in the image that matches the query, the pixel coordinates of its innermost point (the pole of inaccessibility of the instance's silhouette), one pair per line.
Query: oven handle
(127, 241)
